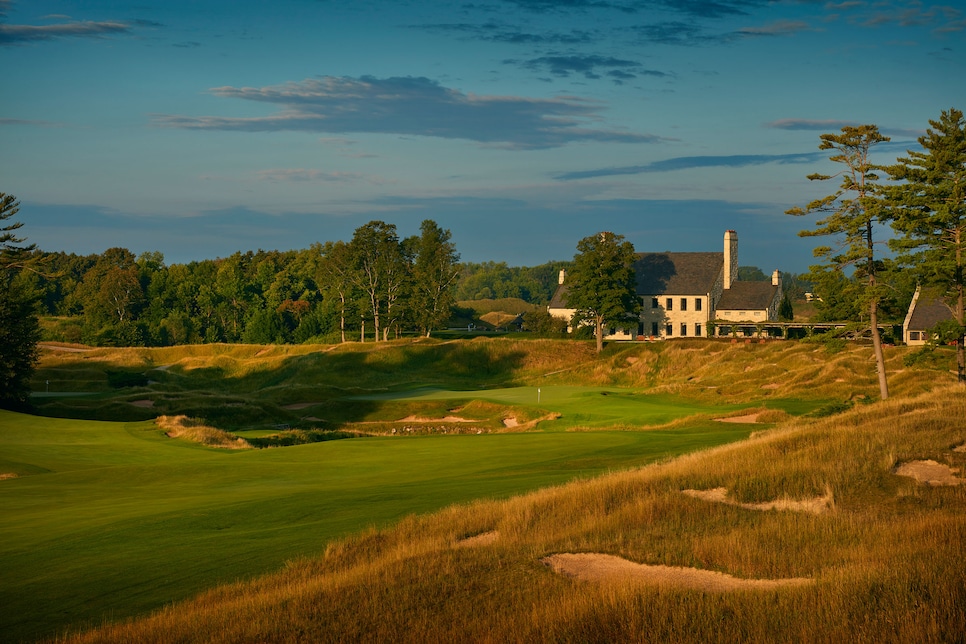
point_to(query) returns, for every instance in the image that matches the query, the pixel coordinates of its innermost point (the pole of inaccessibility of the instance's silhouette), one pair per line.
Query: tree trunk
(877, 349)
(600, 333)
(961, 342)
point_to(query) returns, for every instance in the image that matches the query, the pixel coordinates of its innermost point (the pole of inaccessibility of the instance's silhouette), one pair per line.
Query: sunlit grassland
(886, 559)
(113, 519)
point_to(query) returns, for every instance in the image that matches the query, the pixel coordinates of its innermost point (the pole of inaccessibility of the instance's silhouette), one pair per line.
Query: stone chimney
(730, 258)
(562, 276)
(776, 278)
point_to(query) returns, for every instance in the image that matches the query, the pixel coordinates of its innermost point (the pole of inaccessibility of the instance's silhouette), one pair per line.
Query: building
(925, 311)
(683, 293)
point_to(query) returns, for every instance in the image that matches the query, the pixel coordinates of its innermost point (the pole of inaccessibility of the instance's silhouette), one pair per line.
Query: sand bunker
(295, 406)
(482, 539)
(771, 385)
(143, 403)
(608, 568)
(8, 475)
(817, 505)
(510, 422)
(930, 473)
(747, 418)
(445, 419)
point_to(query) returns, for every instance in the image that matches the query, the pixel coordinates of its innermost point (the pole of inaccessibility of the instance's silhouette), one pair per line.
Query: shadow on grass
(311, 391)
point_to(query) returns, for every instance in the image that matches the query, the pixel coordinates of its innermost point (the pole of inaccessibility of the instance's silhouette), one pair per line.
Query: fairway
(579, 407)
(109, 520)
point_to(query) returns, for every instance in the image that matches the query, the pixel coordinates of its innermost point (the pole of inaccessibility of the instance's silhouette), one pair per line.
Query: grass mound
(191, 429)
(884, 561)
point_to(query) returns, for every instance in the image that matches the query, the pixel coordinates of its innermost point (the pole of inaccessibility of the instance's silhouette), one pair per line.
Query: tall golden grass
(887, 558)
(194, 430)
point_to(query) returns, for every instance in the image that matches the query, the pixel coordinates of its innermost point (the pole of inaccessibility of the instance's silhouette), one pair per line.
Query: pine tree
(851, 213)
(929, 212)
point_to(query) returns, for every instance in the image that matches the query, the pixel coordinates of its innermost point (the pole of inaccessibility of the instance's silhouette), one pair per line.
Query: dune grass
(886, 560)
(129, 519)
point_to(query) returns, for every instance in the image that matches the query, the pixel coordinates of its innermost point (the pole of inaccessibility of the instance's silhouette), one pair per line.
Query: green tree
(380, 271)
(851, 213)
(19, 329)
(435, 272)
(785, 311)
(334, 277)
(929, 212)
(602, 284)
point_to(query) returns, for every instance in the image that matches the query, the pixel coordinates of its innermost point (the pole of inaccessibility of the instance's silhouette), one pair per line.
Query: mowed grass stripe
(109, 520)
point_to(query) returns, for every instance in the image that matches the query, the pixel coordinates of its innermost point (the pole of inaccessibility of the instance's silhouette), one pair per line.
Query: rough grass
(196, 431)
(886, 560)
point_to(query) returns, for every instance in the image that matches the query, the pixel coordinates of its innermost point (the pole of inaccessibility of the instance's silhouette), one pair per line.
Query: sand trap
(818, 505)
(8, 475)
(143, 403)
(929, 473)
(771, 385)
(608, 568)
(445, 419)
(747, 418)
(482, 539)
(295, 406)
(511, 422)
(960, 448)
(55, 347)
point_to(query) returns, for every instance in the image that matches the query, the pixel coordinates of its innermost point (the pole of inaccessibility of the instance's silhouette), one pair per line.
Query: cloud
(16, 34)
(686, 163)
(495, 32)
(696, 8)
(832, 125)
(779, 28)
(11, 121)
(412, 106)
(302, 174)
(810, 124)
(590, 66)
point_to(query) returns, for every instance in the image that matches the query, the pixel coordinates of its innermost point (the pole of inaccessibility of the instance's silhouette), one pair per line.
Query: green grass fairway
(109, 520)
(589, 407)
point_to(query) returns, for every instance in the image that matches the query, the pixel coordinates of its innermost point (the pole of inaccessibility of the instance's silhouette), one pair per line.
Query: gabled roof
(928, 312)
(747, 296)
(559, 300)
(677, 273)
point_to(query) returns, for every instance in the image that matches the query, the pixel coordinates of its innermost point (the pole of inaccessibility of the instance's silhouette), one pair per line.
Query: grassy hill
(122, 513)
(879, 558)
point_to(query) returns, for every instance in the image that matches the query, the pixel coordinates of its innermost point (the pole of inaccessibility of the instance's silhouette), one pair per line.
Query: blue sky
(205, 127)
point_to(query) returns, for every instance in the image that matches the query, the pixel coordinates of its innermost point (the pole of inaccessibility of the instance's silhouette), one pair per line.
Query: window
(684, 304)
(697, 304)
(697, 328)
(669, 331)
(914, 335)
(653, 302)
(669, 304)
(654, 328)
(684, 328)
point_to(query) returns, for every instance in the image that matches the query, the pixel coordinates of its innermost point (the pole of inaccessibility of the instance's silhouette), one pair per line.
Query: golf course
(376, 462)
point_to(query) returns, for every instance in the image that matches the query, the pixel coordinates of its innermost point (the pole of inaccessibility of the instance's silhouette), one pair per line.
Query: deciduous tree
(435, 272)
(602, 284)
(929, 212)
(851, 213)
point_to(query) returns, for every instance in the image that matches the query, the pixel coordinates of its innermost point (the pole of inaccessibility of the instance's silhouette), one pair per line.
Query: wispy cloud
(687, 163)
(16, 34)
(303, 174)
(589, 66)
(413, 106)
(697, 8)
(832, 125)
(497, 32)
(32, 122)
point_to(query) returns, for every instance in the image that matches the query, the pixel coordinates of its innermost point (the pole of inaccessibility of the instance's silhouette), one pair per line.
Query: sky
(201, 128)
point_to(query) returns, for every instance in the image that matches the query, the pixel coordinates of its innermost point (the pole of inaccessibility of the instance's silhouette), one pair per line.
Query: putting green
(109, 520)
(579, 407)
